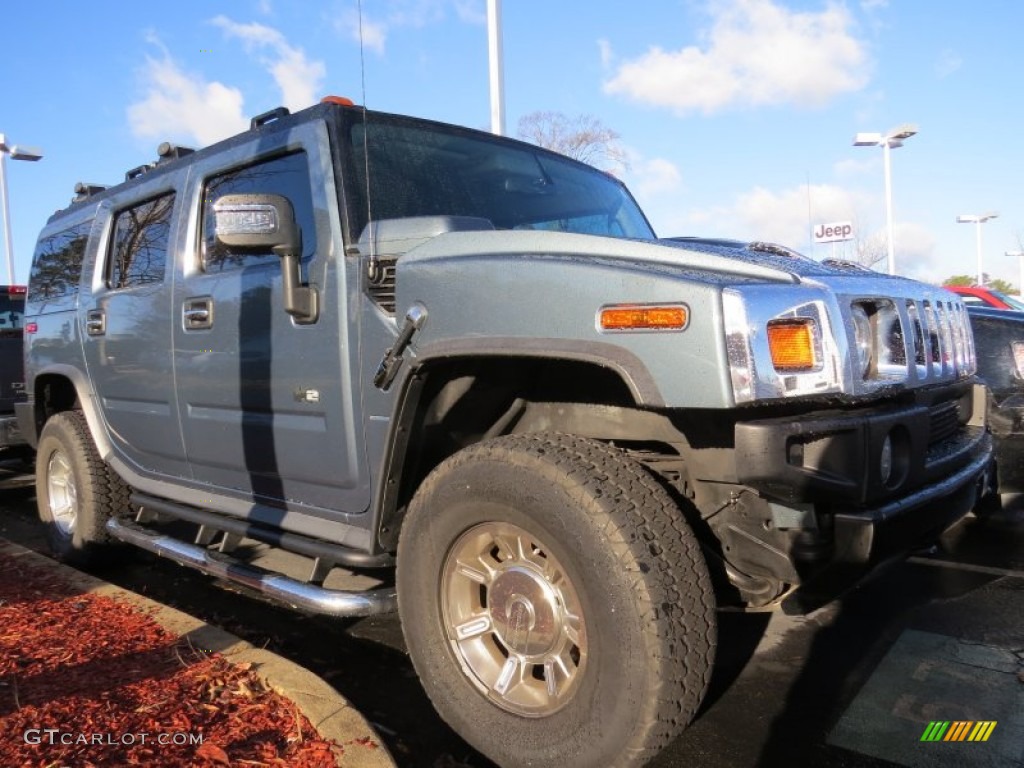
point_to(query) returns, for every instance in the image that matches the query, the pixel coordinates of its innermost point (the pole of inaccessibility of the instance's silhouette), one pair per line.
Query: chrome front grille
(912, 340)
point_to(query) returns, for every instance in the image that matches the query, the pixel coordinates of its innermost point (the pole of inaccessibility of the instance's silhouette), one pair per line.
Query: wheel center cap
(524, 611)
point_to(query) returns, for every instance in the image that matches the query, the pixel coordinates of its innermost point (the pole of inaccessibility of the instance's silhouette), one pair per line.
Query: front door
(267, 407)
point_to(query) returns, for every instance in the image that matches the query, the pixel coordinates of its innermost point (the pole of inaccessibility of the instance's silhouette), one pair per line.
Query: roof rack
(84, 190)
(168, 151)
(138, 171)
(267, 117)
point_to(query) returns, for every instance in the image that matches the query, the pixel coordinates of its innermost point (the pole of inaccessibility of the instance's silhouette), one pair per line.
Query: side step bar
(331, 602)
(293, 542)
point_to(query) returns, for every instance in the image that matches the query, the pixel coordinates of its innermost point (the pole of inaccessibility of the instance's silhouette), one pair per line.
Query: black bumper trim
(837, 458)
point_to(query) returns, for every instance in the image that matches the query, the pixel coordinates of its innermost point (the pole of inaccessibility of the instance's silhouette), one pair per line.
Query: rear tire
(555, 603)
(75, 489)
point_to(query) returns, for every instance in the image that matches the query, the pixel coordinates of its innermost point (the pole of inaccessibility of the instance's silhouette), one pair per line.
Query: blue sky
(737, 115)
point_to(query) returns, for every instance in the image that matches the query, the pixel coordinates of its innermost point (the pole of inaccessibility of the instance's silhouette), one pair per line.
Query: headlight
(862, 336)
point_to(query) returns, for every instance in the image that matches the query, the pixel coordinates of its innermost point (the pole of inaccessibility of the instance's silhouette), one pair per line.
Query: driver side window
(286, 175)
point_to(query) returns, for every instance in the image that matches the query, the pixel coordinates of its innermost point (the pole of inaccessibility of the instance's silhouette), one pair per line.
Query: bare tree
(584, 138)
(866, 247)
(870, 249)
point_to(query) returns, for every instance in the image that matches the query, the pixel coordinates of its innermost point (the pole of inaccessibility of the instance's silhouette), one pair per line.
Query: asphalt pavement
(865, 682)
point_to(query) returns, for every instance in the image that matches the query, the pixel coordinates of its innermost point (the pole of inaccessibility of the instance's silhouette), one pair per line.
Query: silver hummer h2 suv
(375, 342)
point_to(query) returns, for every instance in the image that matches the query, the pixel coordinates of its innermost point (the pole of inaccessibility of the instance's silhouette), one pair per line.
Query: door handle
(95, 322)
(197, 313)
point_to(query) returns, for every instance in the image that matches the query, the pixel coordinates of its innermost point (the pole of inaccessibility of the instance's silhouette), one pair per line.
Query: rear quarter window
(138, 250)
(57, 264)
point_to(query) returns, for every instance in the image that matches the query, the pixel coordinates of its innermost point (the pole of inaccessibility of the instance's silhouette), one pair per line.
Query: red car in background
(973, 295)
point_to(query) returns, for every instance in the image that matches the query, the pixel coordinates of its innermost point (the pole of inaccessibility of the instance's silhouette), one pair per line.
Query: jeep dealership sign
(834, 232)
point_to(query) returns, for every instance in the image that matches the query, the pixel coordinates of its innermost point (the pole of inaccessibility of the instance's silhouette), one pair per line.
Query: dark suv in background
(999, 342)
(12, 365)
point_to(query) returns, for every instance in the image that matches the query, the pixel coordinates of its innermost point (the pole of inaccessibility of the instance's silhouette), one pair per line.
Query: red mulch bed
(122, 691)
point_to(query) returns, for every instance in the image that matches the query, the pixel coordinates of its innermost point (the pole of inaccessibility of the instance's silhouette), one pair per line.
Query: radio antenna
(372, 268)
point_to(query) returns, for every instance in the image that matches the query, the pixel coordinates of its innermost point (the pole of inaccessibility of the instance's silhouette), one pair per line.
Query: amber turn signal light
(791, 343)
(670, 317)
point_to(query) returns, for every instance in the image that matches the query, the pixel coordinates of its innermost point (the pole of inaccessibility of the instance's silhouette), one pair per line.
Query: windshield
(419, 168)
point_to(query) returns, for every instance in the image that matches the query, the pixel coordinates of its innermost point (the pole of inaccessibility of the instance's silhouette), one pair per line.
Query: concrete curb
(329, 712)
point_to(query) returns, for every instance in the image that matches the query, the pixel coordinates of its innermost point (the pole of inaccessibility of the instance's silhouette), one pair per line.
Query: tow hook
(415, 317)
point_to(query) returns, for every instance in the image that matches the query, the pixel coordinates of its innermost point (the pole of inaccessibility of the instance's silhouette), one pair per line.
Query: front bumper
(863, 539)
(842, 501)
(866, 457)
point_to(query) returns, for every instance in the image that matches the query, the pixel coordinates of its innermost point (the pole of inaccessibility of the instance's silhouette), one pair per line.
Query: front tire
(75, 489)
(555, 603)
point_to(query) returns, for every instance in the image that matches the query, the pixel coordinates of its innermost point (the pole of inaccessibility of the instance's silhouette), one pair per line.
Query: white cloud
(654, 176)
(787, 217)
(416, 13)
(184, 107)
(914, 247)
(757, 53)
(607, 56)
(471, 11)
(373, 34)
(949, 62)
(850, 167)
(299, 78)
(406, 13)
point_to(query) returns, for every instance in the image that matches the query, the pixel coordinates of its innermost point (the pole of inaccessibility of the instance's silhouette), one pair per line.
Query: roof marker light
(342, 101)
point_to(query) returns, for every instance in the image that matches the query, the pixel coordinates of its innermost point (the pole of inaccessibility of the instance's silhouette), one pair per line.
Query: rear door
(267, 405)
(126, 335)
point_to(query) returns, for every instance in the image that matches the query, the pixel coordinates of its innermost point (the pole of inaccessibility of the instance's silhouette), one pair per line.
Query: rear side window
(138, 251)
(287, 175)
(57, 263)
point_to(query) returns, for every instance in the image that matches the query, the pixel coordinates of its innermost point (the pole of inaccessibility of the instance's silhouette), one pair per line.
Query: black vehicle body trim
(629, 367)
(866, 538)
(292, 542)
(829, 455)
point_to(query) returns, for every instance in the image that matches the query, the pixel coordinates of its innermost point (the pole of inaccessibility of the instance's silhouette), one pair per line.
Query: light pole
(977, 220)
(1020, 285)
(497, 67)
(17, 153)
(887, 141)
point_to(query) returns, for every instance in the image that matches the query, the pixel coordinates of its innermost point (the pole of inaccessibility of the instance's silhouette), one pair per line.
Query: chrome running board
(331, 602)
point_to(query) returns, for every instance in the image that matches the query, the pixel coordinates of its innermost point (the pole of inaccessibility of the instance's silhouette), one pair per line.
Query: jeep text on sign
(834, 232)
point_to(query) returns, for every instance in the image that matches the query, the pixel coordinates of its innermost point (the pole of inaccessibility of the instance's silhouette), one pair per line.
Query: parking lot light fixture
(887, 141)
(16, 152)
(1020, 285)
(977, 219)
